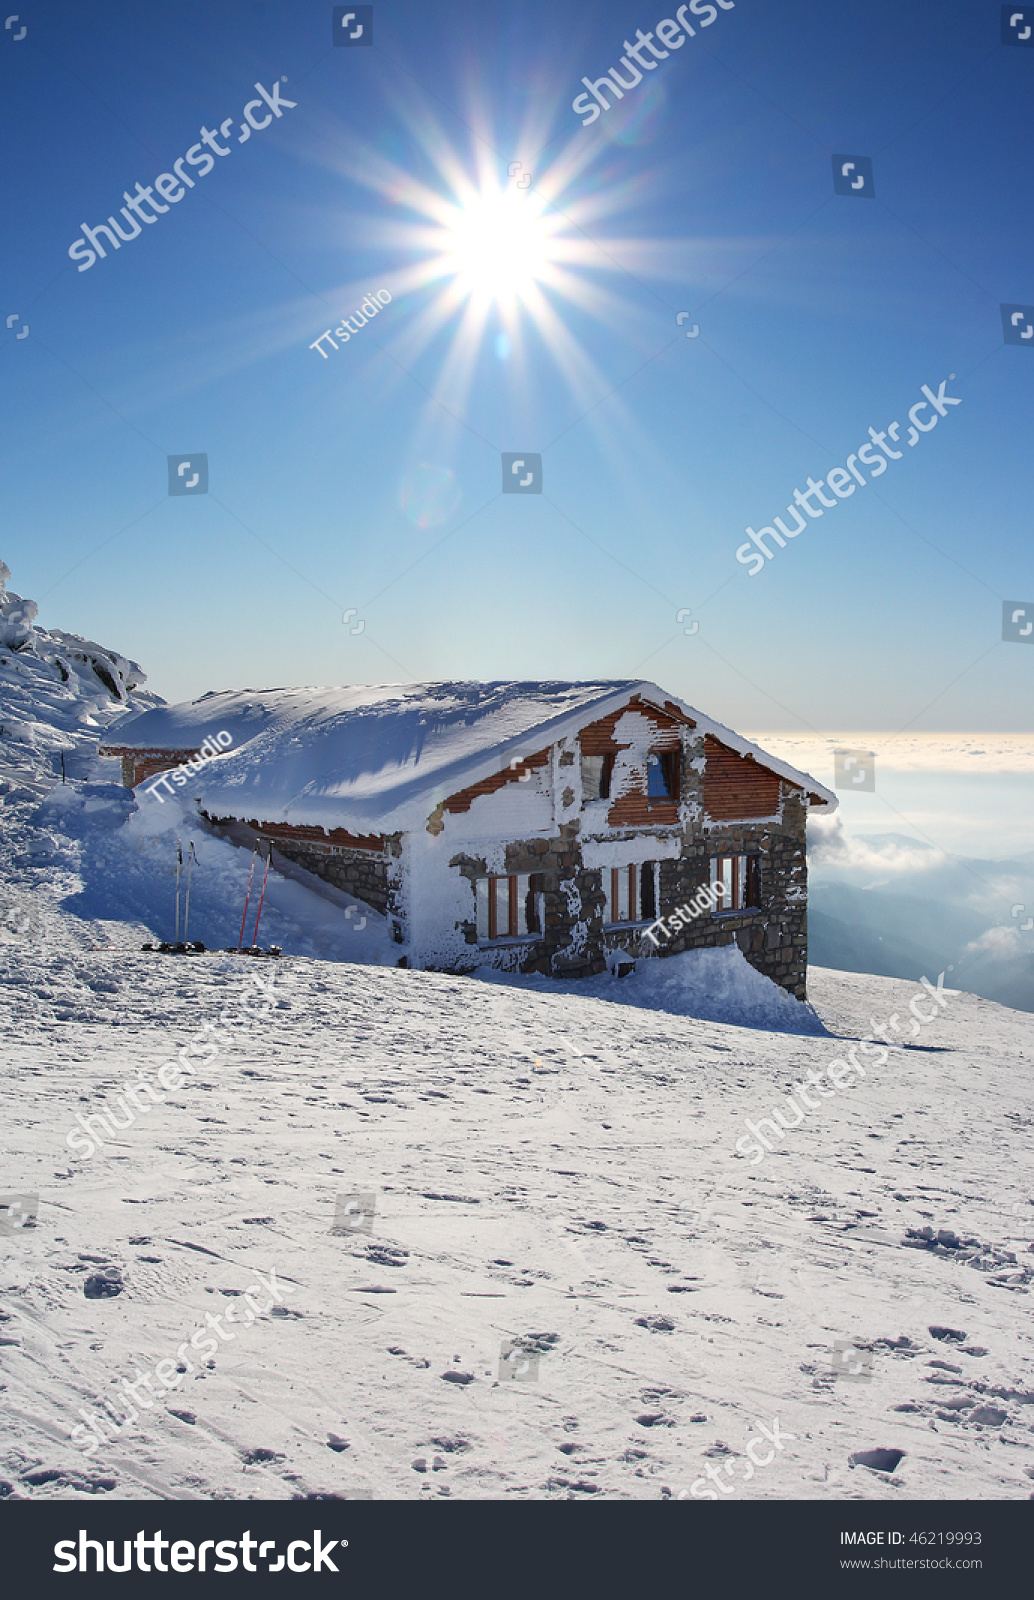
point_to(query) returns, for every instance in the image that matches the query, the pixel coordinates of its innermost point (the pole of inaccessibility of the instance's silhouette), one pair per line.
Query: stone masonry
(573, 943)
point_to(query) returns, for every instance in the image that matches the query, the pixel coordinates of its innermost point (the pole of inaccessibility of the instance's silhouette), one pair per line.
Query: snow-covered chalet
(537, 827)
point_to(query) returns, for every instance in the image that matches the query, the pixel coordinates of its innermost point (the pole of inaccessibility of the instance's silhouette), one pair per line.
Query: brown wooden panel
(148, 766)
(636, 809)
(305, 831)
(461, 801)
(736, 787)
(597, 738)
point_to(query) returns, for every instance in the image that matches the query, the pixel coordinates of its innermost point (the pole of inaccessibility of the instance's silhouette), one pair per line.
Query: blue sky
(371, 480)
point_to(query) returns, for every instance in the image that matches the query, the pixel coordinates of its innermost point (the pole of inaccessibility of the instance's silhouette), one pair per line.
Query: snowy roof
(379, 758)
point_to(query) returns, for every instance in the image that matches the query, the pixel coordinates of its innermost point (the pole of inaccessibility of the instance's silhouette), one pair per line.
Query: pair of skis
(247, 897)
(191, 857)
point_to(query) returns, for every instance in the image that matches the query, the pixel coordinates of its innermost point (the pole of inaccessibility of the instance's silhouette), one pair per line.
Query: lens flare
(429, 495)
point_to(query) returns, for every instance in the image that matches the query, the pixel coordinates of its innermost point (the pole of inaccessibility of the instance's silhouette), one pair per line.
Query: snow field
(550, 1169)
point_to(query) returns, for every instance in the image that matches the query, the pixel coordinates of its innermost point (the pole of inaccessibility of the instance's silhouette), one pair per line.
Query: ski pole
(191, 856)
(179, 869)
(262, 896)
(247, 897)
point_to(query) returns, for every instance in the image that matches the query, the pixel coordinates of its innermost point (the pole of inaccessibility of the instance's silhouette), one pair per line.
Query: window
(509, 907)
(662, 775)
(739, 881)
(631, 893)
(596, 775)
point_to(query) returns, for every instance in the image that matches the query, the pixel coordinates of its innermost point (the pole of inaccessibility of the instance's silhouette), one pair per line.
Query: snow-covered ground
(551, 1169)
(514, 1249)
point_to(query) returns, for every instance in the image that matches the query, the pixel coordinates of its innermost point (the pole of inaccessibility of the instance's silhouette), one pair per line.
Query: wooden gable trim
(306, 832)
(738, 787)
(637, 810)
(463, 798)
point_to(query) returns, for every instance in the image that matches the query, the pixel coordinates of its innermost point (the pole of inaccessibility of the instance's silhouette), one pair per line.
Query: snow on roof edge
(745, 747)
(473, 767)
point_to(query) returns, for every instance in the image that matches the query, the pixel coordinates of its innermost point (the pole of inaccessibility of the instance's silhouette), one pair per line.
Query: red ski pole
(247, 897)
(262, 896)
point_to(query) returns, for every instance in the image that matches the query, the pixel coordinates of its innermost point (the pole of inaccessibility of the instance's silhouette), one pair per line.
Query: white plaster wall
(437, 895)
(628, 852)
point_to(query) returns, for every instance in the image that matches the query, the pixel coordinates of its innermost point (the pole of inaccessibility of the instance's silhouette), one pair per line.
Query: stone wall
(774, 937)
(573, 942)
(362, 873)
(570, 945)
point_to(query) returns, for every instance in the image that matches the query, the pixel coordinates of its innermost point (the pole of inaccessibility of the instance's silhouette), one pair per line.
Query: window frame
(744, 882)
(670, 763)
(524, 908)
(626, 884)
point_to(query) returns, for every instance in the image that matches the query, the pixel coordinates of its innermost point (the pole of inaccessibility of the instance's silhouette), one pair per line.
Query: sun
(498, 246)
(498, 258)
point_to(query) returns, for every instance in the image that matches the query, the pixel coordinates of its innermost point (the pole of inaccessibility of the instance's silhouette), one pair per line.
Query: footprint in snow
(878, 1460)
(103, 1286)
